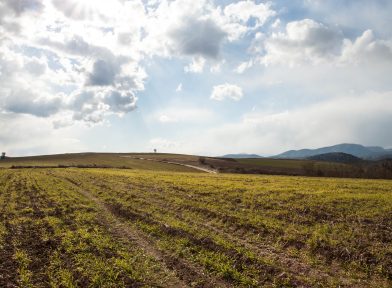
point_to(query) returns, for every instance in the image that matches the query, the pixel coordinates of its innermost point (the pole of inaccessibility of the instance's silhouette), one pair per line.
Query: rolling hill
(336, 157)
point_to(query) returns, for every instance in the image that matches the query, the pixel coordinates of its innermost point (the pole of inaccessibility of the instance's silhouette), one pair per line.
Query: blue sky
(199, 77)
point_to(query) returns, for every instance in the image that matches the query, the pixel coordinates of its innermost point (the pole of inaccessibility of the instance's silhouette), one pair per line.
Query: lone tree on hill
(3, 155)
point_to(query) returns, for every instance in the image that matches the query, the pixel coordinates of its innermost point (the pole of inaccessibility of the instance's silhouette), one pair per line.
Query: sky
(206, 77)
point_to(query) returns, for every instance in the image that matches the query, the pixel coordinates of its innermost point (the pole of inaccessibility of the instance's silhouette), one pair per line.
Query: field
(138, 161)
(137, 228)
(108, 160)
(188, 163)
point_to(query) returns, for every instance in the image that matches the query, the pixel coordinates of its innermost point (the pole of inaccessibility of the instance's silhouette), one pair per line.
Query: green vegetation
(133, 228)
(187, 163)
(106, 160)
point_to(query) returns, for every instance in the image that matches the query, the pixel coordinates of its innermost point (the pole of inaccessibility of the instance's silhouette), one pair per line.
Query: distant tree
(3, 155)
(202, 160)
(155, 150)
(308, 167)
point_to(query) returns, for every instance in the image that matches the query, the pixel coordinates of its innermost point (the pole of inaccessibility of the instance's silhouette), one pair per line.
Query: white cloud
(42, 138)
(227, 91)
(356, 15)
(66, 66)
(197, 37)
(72, 63)
(305, 40)
(197, 65)
(87, 56)
(243, 11)
(352, 119)
(244, 66)
(367, 49)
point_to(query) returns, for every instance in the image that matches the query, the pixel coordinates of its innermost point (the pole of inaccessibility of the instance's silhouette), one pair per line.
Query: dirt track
(175, 163)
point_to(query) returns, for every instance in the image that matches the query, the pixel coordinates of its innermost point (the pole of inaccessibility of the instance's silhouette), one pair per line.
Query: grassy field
(179, 162)
(135, 228)
(109, 160)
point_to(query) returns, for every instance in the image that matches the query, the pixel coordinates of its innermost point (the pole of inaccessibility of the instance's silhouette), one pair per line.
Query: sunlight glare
(89, 8)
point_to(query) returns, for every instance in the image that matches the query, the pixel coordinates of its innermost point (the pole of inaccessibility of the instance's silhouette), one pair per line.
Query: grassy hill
(336, 157)
(108, 160)
(134, 228)
(191, 163)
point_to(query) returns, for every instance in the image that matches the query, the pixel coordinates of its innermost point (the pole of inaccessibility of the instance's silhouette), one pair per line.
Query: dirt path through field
(184, 273)
(175, 163)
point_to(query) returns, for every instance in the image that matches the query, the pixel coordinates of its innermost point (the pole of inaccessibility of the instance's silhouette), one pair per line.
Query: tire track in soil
(292, 266)
(8, 265)
(186, 274)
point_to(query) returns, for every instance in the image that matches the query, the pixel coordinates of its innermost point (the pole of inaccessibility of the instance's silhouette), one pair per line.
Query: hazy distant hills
(359, 151)
(241, 156)
(336, 157)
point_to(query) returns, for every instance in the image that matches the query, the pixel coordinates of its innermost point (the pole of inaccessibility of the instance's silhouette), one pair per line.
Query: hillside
(97, 160)
(360, 151)
(191, 163)
(336, 157)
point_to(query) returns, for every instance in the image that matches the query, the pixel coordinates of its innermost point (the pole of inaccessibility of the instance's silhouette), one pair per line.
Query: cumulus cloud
(198, 37)
(243, 11)
(36, 66)
(103, 73)
(356, 15)
(227, 91)
(11, 12)
(351, 119)
(196, 66)
(120, 102)
(75, 62)
(304, 40)
(21, 6)
(309, 42)
(70, 73)
(25, 102)
(99, 72)
(367, 49)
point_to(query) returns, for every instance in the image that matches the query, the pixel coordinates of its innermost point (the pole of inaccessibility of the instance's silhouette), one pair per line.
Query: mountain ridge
(336, 157)
(357, 150)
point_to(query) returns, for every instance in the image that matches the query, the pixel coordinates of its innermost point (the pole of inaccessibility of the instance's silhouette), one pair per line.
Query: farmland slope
(133, 228)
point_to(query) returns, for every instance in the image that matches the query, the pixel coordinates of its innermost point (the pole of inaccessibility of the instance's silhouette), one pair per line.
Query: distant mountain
(241, 156)
(336, 157)
(368, 153)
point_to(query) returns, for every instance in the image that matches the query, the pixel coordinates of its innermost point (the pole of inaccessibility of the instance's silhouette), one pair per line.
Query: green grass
(61, 228)
(93, 159)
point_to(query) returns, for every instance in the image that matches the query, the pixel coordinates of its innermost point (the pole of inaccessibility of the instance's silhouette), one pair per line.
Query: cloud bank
(275, 69)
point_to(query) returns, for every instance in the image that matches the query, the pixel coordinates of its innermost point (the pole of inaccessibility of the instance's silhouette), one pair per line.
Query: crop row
(253, 231)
